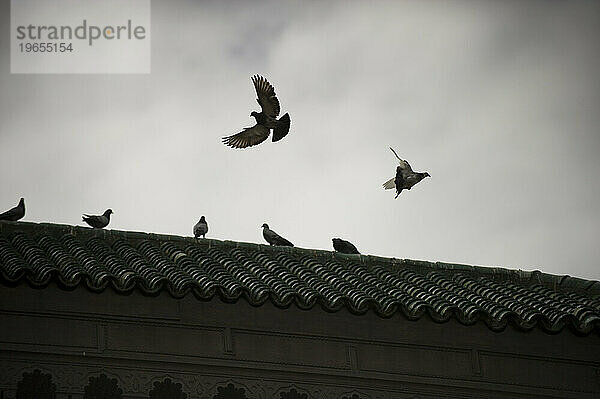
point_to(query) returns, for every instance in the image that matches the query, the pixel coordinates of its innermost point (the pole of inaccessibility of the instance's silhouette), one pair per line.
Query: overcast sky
(498, 101)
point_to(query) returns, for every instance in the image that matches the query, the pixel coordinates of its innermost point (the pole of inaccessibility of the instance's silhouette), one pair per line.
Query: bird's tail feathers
(283, 127)
(388, 185)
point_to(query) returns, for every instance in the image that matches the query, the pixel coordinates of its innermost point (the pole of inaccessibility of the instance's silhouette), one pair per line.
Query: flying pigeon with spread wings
(405, 177)
(265, 120)
(100, 221)
(15, 213)
(274, 238)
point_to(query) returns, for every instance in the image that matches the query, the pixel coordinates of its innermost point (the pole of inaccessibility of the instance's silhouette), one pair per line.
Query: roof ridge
(589, 288)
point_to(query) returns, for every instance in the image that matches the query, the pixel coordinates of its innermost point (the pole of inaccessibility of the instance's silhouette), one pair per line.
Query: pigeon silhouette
(265, 120)
(15, 213)
(343, 246)
(274, 238)
(405, 177)
(201, 228)
(98, 221)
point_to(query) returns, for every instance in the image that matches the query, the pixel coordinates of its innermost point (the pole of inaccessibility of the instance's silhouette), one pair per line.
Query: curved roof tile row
(73, 256)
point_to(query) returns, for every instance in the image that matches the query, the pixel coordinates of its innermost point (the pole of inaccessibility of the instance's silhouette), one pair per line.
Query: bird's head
(254, 114)
(426, 175)
(202, 219)
(265, 226)
(108, 212)
(22, 202)
(335, 240)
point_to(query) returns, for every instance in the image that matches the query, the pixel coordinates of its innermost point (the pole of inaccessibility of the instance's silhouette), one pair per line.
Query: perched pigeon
(201, 228)
(274, 238)
(15, 213)
(405, 177)
(98, 221)
(265, 120)
(343, 246)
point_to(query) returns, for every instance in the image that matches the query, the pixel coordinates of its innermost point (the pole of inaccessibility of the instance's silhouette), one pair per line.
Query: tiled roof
(97, 259)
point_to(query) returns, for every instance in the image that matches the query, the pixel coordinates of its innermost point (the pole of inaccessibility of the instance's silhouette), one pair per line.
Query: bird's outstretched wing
(266, 96)
(403, 163)
(250, 136)
(388, 185)
(399, 180)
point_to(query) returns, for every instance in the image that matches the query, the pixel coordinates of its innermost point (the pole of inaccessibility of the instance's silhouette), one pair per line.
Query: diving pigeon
(405, 177)
(201, 228)
(265, 120)
(98, 221)
(274, 238)
(343, 246)
(15, 213)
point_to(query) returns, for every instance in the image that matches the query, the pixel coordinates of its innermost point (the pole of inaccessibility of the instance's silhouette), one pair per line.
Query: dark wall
(207, 349)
